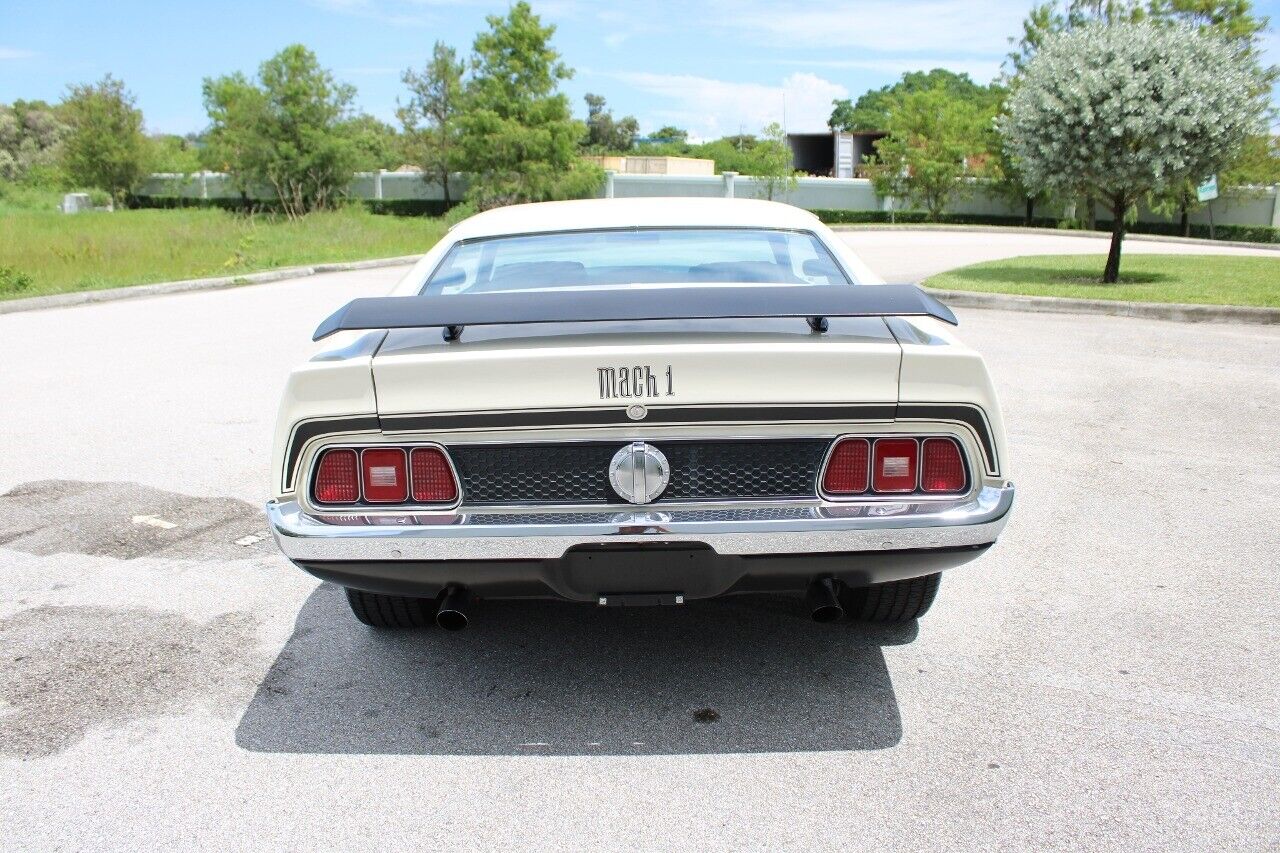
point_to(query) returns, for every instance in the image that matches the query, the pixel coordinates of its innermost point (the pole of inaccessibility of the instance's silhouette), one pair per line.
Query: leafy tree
(1045, 19)
(996, 167)
(234, 141)
(430, 119)
(376, 143)
(604, 133)
(670, 133)
(742, 141)
(1258, 164)
(31, 135)
(932, 136)
(731, 154)
(656, 148)
(1232, 20)
(517, 136)
(844, 116)
(284, 132)
(871, 112)
(1004, 180)
(171, 153)
(1120, 111)
(105, 148)
(771, 161)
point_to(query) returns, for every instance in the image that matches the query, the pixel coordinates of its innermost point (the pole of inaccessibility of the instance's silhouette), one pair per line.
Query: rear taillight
(893, 464)
(847, 468)
(337, 477)
(433, 480)
(941, 468)
(384, 475)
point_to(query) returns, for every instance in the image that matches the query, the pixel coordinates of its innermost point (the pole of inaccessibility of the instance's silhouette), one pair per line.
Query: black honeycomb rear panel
(578, 472)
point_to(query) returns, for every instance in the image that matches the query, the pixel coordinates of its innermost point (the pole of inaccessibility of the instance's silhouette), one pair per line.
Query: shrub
(14, 281)
(1235, 233)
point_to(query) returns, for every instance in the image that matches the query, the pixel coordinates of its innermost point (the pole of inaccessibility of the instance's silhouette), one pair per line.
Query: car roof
(591, 214)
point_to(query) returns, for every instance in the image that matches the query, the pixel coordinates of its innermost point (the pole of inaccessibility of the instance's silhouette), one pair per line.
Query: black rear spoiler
(622, 305)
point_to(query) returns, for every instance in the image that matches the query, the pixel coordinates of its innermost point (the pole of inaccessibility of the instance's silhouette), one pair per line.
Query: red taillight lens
(432, 477)
(337, 480)
(384, 475)
(847, 468)
(941, 469)
(893, 465)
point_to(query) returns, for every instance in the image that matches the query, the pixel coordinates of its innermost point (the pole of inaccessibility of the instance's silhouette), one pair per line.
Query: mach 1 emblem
(638, 381)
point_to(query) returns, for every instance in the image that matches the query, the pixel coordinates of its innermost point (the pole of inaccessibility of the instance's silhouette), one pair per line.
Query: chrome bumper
(736, 529)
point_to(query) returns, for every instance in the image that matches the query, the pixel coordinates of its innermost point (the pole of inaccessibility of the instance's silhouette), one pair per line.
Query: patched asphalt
(1106, 677)
(127, 521)
(72, 668)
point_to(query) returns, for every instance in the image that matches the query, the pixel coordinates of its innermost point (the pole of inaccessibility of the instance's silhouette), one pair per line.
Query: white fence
(1238, 206)
(368, 185)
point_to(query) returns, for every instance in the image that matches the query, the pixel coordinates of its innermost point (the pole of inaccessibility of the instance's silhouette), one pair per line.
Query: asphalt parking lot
(1108, 676)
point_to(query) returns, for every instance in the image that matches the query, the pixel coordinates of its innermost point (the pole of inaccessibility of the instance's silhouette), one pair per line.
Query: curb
(1060, 232)
(192, 285)
(1147, 310)
(960, 298)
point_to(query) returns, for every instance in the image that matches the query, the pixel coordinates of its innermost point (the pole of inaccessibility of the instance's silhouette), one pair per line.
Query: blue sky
(713, 67)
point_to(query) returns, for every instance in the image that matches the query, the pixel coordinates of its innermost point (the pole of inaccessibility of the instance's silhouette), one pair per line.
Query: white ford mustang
(635, 402)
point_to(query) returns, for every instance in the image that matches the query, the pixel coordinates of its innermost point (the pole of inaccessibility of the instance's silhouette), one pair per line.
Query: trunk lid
(590, 366)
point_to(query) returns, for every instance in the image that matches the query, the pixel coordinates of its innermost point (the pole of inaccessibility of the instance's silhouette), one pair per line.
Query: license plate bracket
(637, 576)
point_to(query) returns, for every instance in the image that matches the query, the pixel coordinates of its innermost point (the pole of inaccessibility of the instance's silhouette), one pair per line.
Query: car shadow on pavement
(743, 674)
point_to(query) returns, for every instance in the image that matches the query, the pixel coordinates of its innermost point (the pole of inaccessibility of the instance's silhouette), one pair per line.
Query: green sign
(1208, 191)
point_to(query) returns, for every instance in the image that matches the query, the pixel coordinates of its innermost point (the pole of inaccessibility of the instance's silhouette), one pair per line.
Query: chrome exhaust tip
(452, 613)
(823, 601)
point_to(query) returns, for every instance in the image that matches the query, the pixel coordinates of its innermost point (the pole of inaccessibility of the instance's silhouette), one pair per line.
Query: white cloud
(417, 13)
(15, 53)
(981, 70)
(879, 25)
(713, 108)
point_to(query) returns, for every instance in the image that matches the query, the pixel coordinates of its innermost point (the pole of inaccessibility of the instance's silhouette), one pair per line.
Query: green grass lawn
(1204, 279)
(43, 251)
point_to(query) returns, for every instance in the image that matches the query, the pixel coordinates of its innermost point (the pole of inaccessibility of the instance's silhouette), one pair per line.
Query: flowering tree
(1118, 111)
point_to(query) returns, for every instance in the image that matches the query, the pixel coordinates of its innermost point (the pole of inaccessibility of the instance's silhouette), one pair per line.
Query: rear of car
(635, 403)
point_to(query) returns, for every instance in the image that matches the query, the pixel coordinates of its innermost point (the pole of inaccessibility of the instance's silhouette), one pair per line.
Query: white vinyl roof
(586, 214)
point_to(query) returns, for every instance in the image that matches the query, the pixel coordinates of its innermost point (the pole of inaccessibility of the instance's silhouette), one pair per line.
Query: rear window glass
(644, 256)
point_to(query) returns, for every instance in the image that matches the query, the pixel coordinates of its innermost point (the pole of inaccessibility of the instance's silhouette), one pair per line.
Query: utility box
(76, 202)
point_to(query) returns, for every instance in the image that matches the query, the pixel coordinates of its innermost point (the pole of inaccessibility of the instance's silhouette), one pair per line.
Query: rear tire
(391, 611)
(893, 602)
